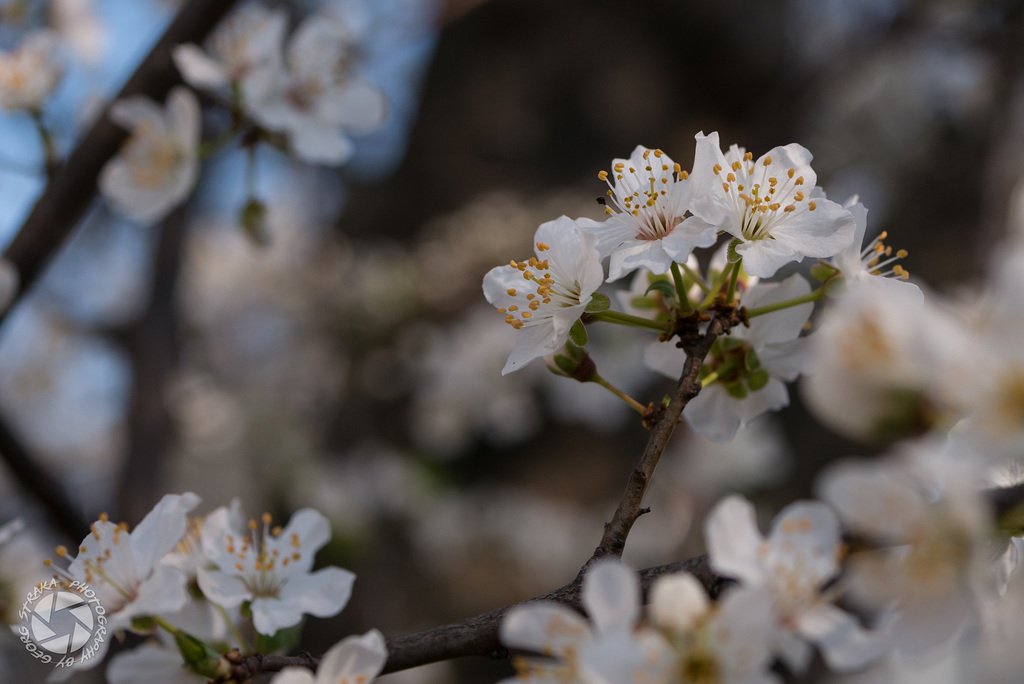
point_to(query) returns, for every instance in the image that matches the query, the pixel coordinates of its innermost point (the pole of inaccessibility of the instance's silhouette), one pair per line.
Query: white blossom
(542, 297)
(793, 565)
(770, 205)
(353, 660)
(158, 165)
(649, 226)
(30, 72)
(315, 98)
(270, 569)
(245, 50)
(869, 265)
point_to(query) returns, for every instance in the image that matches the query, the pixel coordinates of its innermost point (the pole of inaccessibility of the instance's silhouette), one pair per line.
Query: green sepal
(757, 379)
(143, 625)
(733, 255)
(566, 365)
(736, 390)
(253, 219)
(822, 271)
(730, 343)
(577, 353)
(751, 361)
(835, 287)
(578, 333)
(643, 302)
(283, 640)
(667, 289)
(598, 303)
(200, 658)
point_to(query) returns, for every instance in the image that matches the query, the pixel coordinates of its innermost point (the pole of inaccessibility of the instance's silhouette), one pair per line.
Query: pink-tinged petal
(161, 530)
(224, 589)
(354, 659)
(844, 644)
(611, 596)
(197, 68)
(733, 540)
(546, 628)
(804, 542)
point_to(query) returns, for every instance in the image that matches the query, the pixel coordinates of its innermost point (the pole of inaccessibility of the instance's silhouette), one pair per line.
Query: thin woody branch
(73, 187)
(629, 509)
(475, 636)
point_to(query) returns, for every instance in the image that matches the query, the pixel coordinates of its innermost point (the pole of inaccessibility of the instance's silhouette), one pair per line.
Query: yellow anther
(646, 153)
(790, 172)
(253, 525)
(648, 168)
(62, 551)
(502, 310)
(811, 206)
(748, 156)
(527, 314)
(104, 517)
(238, 566)
(658, 153)
(619, 166)
(774, 206)
(717, 168)
(725, 186)
(799, 196)
(511, 292)
(773, 181)
(509, 319)
(608, 211)
(789, 207)
(513, 308)
(602, 175)
(736, 166)
(632, 170)
(546, 300)
(513, 264)
(541, 247)
(799, 180)
(881, 236)
(82, 548)
(267, 518)
(740, 187)
(731, 177)
(534, 305)
(902, 254)
(767, 161)
(664, 167)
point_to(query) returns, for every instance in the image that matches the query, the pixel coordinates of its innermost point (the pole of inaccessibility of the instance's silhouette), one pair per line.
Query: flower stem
(716, 287)
(787, 303)
(684, 302)
(714, 375)
(208, 147)
(50, 161)
(630, 401)
(629, 319)
(696, 278)
(171, 629)
(730, 295)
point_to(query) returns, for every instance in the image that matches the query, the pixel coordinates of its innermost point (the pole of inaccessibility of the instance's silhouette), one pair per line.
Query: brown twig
(696, 347)
(476, 636)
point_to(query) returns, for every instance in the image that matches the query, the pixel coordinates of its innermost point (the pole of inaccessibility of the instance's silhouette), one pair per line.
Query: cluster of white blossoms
(307, 91)
(905, 556)
(205, 585)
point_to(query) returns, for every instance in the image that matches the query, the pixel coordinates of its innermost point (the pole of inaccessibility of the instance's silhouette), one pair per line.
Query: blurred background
(352, 364)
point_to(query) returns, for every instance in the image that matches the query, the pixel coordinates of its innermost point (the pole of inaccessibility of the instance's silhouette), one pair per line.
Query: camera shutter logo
(62, 622)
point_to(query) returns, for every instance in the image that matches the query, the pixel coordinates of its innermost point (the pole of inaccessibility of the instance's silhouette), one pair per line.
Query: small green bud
(822, 271)
(253, 219)
(200, 658)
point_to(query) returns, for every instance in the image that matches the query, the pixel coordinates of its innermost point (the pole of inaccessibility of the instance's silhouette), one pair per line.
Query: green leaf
(578, 333)
(667, 289)
(737, 390)
(598, 303)
(751, 361)
(757, 380)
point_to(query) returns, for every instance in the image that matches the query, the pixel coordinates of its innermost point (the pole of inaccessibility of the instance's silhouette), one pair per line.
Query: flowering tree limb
(71, 190)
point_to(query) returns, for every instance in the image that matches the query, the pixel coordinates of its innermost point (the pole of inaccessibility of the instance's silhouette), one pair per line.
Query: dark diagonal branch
(476, 636)
(696, 347)
(72, 189)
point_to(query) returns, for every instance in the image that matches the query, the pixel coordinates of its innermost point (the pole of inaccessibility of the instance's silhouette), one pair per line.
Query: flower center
(541, 295)
(760, 199)
(259, 557)
(647, 198)
(876, 257)
(150, 156)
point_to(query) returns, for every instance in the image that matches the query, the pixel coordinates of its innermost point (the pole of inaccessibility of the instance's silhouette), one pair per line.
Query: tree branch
(71, 190)
(696, 347)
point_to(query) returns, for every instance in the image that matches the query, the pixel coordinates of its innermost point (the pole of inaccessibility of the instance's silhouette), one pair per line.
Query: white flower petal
(733, 540)
(611, 596)
(844, 644)
(354, 659)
